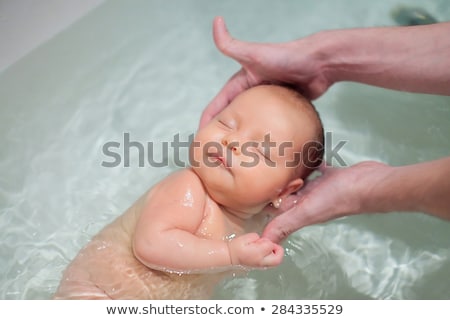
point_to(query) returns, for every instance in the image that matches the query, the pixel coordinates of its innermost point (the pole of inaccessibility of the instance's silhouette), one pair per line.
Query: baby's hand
(250, 250)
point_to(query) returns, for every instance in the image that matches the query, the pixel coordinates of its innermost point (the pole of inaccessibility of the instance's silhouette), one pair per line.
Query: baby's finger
(274, 258)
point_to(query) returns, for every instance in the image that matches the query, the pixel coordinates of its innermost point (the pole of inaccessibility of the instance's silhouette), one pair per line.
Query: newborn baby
(199, 224)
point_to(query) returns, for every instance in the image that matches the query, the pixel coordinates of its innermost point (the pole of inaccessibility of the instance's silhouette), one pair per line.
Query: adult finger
(283, 225)
(237, 83)
(241, 51)
(287, 203)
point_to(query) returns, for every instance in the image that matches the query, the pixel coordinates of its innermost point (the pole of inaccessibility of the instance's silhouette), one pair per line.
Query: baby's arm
(165, 233)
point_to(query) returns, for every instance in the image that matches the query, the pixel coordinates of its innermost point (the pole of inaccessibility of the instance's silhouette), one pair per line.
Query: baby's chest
(215, 225)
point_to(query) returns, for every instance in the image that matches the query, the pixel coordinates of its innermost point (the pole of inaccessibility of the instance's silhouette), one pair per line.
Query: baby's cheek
(195, 154)
(249, 158)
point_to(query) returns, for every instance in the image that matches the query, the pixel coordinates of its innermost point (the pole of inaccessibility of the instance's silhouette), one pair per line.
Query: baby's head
(259, 149)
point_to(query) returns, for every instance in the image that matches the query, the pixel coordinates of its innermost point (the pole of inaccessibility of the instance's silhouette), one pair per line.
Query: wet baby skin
(200, 224)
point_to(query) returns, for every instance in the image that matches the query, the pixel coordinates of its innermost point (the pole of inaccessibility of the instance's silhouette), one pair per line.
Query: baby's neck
(246, 222)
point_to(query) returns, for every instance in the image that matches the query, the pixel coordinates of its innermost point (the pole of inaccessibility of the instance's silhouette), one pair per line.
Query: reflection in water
(348, 260)
(134, 69)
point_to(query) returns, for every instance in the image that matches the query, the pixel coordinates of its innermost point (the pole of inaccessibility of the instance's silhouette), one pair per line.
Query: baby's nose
(232, 145)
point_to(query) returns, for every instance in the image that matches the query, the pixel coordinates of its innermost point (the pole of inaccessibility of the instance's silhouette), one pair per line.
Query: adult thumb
(229, 46)
(283, 225)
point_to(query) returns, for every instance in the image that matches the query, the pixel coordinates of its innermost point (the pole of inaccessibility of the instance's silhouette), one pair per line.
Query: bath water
(148, 68)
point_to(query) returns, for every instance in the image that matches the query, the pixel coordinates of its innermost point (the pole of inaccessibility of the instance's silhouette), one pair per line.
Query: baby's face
(246, 155)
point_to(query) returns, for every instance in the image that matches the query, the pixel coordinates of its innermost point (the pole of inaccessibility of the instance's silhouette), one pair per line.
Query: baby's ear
(286, 199)
(292, 187)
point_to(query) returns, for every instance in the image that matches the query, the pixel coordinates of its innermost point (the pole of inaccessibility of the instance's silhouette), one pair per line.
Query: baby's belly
(107, 268)
(104, 270)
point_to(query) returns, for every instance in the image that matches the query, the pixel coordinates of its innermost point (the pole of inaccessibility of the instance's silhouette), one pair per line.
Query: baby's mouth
(219, 158)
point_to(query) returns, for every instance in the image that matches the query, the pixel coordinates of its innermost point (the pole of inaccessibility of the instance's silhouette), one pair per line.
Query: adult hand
(266, 63)
(412, 59)
(337, 192)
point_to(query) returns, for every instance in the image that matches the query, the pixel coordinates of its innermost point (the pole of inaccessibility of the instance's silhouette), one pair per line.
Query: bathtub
(148, 69)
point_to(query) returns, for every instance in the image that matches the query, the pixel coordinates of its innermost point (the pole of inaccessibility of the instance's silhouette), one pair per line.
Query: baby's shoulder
(183, 185)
